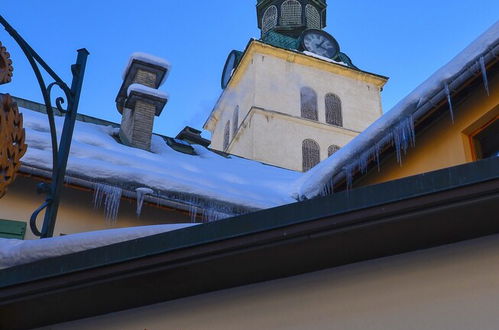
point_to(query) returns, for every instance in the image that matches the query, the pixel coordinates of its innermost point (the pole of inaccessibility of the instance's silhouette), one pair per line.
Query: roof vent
(180, 146)
(193, 136)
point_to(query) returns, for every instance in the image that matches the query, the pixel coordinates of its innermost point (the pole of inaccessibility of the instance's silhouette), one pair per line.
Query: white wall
(272, 83)
(451, 287)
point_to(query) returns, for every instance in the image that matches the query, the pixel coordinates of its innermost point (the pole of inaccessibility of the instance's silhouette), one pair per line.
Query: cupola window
(269, 20)
(313, 17)
(291, 13)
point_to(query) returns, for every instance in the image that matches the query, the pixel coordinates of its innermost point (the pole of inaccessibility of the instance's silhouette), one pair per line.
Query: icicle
(447, 91)
(193, 209)
(328, 188)
(378, 151)
(404, 136)
(484, 75)
(364, 161)
(141, 193)
(109, 196)
(349, 175)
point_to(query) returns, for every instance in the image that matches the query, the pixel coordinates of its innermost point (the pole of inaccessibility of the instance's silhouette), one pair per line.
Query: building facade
(292, 98)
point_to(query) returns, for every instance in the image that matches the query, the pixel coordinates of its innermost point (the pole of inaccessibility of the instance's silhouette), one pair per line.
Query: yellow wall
(76, 212)
(444, 144)
(452, 287)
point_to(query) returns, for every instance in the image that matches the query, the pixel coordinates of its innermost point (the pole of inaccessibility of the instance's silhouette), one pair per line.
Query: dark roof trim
(415, 213)
(340, 203)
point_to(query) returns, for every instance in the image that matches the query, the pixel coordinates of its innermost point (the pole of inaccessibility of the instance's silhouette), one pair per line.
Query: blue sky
(404, 40)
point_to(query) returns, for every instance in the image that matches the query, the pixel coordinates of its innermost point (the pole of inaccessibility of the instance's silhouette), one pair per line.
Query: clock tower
(292, 98)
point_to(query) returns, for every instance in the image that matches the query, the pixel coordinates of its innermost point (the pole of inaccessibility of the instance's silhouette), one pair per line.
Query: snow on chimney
(139, 99)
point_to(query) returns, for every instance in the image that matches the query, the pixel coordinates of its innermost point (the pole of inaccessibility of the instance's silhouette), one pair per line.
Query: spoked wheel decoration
(12, 145)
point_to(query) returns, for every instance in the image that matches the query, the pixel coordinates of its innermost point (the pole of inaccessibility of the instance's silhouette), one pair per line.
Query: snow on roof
(148, 58)
(97, 157)
(327, 59)
(146, 90)
(15, 252)
(397, 121)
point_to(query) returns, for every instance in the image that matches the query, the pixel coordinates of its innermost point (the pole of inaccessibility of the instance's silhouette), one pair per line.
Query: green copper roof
(279, 40)
(282, 41)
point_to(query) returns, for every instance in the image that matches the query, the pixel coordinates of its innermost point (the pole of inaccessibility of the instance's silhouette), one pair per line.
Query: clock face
(320, 43)
(230, 66)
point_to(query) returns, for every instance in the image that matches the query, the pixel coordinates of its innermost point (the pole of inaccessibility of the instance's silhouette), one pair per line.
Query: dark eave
(414, 213)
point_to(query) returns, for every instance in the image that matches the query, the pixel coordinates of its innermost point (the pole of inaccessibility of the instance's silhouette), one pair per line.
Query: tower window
(333, 110)
(291, 13)
(235, 121)
(309, 103)
(332, 149)
(313, 17)
(226, 135)
(269, 20)
(311, 154)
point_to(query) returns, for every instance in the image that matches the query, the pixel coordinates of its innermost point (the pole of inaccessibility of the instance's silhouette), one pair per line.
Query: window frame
(313, 152)
(331, 111)
(313, 114)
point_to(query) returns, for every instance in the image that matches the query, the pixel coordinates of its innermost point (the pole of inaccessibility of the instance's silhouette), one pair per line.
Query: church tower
(292, 98)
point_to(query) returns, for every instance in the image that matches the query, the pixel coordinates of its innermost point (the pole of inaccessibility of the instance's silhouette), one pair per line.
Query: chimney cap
(150, 61)
(145, 62)
(138, 92)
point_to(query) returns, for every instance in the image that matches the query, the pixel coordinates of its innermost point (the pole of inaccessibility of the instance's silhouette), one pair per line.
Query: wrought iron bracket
(60, 153)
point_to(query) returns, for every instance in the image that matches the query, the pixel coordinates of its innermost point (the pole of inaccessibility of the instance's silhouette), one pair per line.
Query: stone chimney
(139, 99)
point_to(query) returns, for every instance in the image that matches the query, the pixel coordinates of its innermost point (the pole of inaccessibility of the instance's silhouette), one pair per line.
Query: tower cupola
(290, 17)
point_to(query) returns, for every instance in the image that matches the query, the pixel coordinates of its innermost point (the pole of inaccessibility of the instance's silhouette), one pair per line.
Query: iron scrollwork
(60, 153)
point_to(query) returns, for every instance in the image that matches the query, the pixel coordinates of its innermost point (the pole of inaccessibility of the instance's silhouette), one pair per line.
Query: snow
(141, 193)
(148, 58)
(313, 183)
(139, 88)
(15, 252)
(109, 196)
(306, 52)
(212, 179)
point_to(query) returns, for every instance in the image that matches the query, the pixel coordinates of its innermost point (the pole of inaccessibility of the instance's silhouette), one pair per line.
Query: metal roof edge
(258, 222)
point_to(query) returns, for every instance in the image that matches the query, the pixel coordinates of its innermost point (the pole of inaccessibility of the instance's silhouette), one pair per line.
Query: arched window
(309, 103)
(332, 149)
(291, 13)
(313, 17)
(311, 154)
(226, 135)
(333, 110)
(235, 121)
(269, 20)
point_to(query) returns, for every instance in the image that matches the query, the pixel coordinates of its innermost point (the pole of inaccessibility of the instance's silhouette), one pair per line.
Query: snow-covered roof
(397, 125)
(15, 252)
(232, 185)
(205, 181)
